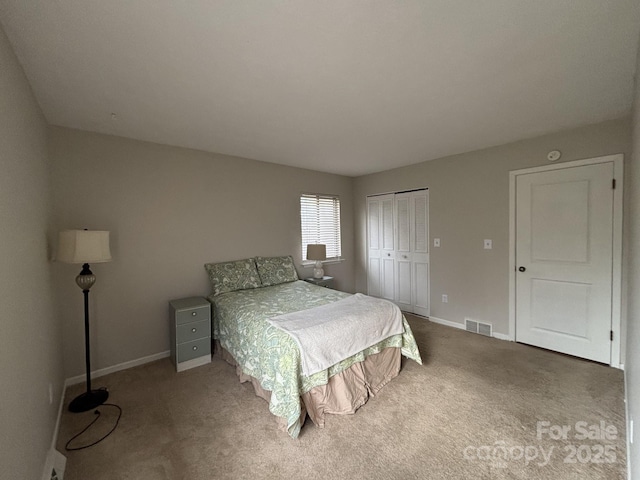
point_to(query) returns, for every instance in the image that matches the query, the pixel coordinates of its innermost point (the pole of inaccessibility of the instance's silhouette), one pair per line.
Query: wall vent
(471, 326)
(478, 327)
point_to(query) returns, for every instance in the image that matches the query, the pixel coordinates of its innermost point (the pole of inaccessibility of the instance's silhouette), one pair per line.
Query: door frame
(616, 291)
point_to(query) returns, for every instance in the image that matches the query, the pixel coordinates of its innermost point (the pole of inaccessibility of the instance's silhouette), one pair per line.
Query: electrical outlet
(488, 244)
(436, 242)
(445, 298)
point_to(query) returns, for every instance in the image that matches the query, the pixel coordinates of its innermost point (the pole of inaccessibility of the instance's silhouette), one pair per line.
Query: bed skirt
(343, 394)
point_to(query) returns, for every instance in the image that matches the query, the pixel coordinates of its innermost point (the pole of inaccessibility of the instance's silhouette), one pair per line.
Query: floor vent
(477, 327)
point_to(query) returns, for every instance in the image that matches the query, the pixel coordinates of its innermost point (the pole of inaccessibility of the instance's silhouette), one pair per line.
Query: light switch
(488, 244)
(436, 242)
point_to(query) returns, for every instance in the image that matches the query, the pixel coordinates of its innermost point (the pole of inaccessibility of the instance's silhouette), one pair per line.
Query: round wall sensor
(553, 155)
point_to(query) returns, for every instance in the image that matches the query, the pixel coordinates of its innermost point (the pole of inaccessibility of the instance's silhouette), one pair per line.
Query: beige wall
(169, 210)
(469, 201)
(632, 362)
(30, 341)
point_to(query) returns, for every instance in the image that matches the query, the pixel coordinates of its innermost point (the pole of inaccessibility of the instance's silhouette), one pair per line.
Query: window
(320, 223)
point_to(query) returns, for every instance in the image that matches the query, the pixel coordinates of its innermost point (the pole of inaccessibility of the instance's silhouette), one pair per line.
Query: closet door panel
(373, 277)
(387, 224)
(421, 292)
(381, 246)
(405, 280)
(421, 223)
(388, 279)
(373, 247)
(420, 252)
(404, 276)
(403, 219)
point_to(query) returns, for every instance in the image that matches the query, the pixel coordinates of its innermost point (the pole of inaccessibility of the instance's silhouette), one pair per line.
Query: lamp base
(318, 271)
(88, 400)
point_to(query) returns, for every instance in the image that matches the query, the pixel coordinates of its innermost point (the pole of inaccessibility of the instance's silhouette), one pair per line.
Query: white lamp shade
(83, 246)
(317, 252)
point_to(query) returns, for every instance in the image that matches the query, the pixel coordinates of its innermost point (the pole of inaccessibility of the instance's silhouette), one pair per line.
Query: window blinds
(320, 223)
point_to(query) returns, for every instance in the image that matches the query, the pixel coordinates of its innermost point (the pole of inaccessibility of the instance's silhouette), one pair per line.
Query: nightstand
(190, 332)
(322, 282)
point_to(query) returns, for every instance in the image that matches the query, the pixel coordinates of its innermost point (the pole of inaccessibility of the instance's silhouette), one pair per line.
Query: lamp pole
(91, 398)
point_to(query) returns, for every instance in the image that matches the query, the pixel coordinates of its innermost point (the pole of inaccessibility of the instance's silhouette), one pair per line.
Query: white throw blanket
(330, 333)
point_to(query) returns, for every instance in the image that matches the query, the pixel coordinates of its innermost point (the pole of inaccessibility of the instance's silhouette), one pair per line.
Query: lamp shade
(317, 252)
(83, 246)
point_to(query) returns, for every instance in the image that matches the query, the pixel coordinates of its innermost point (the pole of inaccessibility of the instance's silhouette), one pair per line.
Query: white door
(381, 251)
(564, 258)
(404, 256)
(412, 252)
(420, 248)
(398, 249)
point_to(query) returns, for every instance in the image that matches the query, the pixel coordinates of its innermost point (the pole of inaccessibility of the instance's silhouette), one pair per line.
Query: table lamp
(317, 252)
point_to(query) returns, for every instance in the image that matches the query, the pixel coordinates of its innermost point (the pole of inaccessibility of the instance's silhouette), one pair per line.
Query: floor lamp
(85, 246)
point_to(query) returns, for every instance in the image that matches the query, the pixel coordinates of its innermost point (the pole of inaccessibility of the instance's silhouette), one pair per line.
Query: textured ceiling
(343, 86)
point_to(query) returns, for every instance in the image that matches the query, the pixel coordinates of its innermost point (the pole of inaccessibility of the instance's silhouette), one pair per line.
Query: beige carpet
(444, 420)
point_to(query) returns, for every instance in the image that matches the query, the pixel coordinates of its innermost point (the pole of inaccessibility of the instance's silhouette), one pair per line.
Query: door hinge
(613, 184)
(611, 335)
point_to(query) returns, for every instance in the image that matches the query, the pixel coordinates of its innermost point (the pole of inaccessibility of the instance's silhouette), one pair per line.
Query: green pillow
(276, 270)
(231, 276)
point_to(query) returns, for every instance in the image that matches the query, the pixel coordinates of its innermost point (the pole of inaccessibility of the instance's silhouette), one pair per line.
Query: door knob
(522, 269)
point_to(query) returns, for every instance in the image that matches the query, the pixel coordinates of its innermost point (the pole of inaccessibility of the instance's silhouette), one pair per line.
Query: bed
(247, 295)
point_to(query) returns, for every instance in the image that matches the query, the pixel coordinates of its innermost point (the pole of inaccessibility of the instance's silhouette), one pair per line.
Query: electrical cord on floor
(97, 413)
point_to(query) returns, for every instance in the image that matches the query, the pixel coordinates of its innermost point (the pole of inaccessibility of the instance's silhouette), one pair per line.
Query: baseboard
(55, 460)
(448, 323)
(460, 326)
(502, 336)
(54, 440)
(48, 466)
(116, 368)
(627, 421)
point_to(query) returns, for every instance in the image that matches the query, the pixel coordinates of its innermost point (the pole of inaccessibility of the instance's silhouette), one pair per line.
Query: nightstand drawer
(193, 315)
(188, 332)
(194, 349)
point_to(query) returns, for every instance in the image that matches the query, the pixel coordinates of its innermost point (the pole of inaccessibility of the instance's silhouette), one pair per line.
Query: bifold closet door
(404, 255)
(412, 251)
(381, 255)
(398, 249)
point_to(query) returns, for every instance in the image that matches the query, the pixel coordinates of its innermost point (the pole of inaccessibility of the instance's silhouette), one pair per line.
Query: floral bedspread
(272, 356)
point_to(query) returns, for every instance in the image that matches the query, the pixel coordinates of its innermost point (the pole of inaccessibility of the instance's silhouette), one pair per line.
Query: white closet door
(404, 248)
(374, 257)
(381, 255)
(398, 259)
(420, 252)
